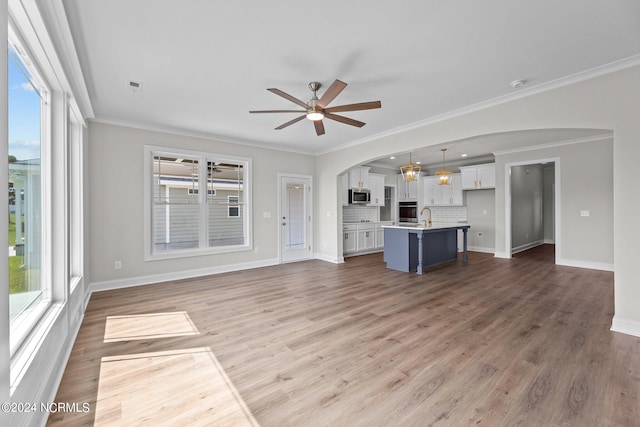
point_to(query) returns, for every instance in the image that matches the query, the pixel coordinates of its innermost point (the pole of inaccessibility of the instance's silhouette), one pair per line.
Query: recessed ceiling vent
(135, 86)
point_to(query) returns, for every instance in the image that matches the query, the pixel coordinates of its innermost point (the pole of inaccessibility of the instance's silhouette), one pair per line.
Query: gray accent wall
(548, 203)
(527, 206)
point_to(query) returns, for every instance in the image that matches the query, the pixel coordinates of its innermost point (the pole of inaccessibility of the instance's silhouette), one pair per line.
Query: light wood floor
(493, 342)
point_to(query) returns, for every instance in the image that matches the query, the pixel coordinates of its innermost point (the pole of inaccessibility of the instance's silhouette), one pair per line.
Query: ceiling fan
(316, 109)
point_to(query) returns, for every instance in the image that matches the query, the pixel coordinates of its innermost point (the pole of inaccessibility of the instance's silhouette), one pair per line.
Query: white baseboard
(585, 264)
(481, 249)
(178, 275)
(523, 248)
(327, 258)
(501, 254)
(628, 327)
(549, 242)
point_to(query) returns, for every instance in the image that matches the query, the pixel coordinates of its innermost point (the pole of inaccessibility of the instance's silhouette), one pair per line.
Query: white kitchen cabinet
(345, 189)
(376, 185)
(349, 239)
(408, 190)
(379, 244)
(478, 177)
(366, 237)
(442, 195)
(359, 177)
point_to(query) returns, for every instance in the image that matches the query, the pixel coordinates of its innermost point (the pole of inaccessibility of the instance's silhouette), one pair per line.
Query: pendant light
(444, 175)
(411, 171)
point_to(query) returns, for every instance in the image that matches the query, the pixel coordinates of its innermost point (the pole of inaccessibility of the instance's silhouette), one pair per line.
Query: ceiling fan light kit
(316, 109)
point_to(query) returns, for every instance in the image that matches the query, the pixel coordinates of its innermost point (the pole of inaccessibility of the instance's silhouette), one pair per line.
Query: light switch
(584, 213)
(266, 214)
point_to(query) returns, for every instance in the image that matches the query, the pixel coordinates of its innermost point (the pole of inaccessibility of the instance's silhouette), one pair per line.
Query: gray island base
(416, 248)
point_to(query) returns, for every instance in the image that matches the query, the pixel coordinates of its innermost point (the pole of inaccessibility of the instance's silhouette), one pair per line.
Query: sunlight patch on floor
(148, 326)
(177, 387)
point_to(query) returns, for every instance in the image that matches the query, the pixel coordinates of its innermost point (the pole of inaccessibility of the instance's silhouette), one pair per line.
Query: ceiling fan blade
(354, 107)
(289, 97)
(345, 120)
(290, 122)
(319, 127)
(333, 91)
(278, 111)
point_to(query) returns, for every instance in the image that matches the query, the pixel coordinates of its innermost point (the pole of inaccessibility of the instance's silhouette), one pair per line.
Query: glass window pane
(198, 202)
(226, 226)
(295, 203)
(25, 190)
(176, 212)
(176, 227)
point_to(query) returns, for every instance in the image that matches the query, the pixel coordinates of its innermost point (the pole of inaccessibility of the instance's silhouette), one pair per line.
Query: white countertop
(434, 226)
(367, 222)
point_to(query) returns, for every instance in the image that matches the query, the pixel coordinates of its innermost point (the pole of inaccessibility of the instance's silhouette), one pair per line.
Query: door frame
(557, 204)
(308, 207)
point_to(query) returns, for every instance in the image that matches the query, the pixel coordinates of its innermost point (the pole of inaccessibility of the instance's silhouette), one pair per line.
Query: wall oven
(408, 212)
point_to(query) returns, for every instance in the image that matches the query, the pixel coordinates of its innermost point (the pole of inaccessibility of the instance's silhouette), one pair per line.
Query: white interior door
(295, 218)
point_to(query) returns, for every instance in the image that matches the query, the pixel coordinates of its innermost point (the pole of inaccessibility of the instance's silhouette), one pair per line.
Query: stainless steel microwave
(359, 196)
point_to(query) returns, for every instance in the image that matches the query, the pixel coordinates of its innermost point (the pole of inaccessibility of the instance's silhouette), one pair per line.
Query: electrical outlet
(266, 214)
(118, 265)
(584, 213)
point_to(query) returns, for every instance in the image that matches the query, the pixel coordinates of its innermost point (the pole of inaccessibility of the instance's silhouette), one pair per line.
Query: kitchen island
(414, 248)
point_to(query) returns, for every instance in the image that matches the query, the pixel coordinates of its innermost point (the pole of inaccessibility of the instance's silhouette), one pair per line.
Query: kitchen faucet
(428, 220)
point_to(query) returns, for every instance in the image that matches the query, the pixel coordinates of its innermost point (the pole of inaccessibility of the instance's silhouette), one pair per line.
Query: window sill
(188, 253)
(23, 357)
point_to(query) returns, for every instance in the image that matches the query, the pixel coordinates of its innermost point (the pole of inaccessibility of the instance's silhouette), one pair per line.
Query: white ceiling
(205, 64)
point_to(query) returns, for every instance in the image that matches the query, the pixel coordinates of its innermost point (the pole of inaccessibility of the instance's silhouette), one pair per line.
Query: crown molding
(604, 136)
(601, 70)
(50, 23)
(196, 134)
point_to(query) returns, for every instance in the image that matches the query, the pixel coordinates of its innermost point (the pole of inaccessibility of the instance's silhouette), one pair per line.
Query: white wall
(116, 205)
(610, 101)
(481, 214)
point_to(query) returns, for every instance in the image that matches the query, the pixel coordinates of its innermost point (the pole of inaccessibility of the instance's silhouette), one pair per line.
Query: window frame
(25, 323)
(246, 203)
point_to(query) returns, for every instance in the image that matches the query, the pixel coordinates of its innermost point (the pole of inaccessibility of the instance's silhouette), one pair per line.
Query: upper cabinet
(376, 185)
(442, 195)
(359, 177)
(408, 190)
(478, 177)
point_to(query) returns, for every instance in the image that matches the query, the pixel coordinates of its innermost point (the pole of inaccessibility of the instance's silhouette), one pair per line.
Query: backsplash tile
(447, 214)
(357, 213)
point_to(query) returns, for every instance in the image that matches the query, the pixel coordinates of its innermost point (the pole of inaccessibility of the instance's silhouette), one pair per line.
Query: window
(233, 210)
(75, 220)
(181, 219)
(29, 284)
